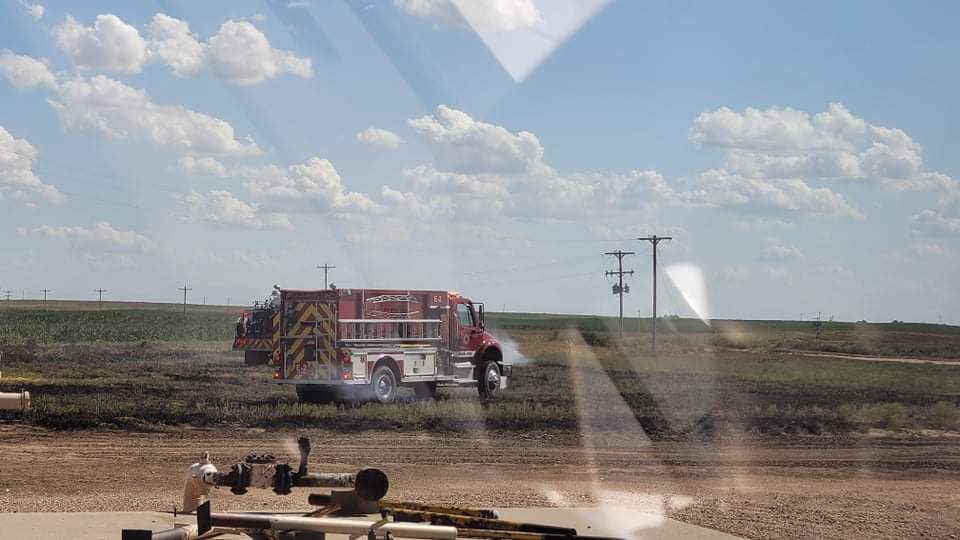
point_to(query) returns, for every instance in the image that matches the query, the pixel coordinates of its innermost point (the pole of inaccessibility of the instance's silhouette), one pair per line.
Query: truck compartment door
(309, 341)
(418, 364)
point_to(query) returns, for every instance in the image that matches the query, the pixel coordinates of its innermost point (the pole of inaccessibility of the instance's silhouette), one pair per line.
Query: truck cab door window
(465, 315)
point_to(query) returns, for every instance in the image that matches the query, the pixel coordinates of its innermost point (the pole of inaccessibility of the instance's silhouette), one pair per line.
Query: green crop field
(31, 326)
(145, 368)
(79, 322)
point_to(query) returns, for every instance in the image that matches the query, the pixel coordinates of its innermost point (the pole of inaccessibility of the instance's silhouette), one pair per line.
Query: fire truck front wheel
(488, 383)
(384, 384)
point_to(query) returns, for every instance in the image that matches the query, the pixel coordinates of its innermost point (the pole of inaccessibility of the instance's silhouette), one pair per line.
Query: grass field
(28, 322)
(139, 368)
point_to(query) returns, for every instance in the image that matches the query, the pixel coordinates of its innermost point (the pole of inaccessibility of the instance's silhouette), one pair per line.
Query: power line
(45, 291)
(619, 272)
(185, 289)
(326, 268)
(100, 301)
(654, 240)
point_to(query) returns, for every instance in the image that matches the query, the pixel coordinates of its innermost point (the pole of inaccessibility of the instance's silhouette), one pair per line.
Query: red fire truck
(255, 333)
(366, 343)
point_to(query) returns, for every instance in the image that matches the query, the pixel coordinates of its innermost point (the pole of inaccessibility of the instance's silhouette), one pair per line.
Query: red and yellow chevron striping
(311, 320)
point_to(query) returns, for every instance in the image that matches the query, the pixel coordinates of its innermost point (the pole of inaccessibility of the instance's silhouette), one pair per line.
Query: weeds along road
(867, 486)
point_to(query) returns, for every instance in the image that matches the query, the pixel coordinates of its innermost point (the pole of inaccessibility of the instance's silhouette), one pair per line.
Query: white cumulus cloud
(203, 165)
(585, 193)
(833, 144)
(777, 128)
(476, 14)
(100, 235)
(929, 249)
(238, 53)
(25, 72)
(111, 108)
(222, 208)
(943, 219)
(778, 253)
(35, 11)
(17, 178)
(478, 191)
(315, 182)
(717, 188)
(109, 44)
(411, 204)
(463, 144)
(375, 136)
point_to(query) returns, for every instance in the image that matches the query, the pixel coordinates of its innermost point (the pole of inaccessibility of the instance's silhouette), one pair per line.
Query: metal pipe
(332, 526)
(370, 484)
(470, 522)
(322, 499)
(514, 535)
(15, 401)
(186, 532)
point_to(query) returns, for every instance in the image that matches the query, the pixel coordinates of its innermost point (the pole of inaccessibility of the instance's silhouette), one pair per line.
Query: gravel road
(879, 486)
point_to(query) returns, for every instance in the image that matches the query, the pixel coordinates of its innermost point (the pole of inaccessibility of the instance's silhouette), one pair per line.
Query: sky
(801, 155)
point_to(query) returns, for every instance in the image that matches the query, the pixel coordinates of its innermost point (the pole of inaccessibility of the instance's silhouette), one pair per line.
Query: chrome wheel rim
(493, 379)
(383, 387)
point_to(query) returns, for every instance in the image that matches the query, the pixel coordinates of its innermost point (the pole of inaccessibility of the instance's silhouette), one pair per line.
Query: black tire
(256, 358)
(425, 391)
(383, 384)
(488, 380)
(312, 393)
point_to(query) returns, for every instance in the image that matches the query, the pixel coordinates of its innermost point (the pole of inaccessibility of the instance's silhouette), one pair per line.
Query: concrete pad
(606, 521)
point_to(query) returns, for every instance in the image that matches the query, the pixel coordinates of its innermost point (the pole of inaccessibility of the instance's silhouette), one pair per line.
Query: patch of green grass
(22, 326)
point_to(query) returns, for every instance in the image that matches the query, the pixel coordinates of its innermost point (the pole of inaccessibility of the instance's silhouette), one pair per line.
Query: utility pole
(654, 240)
(185, 289)
(100, 300)
(819, 325)
(326, 268)
(7, 294)
(45, 291)
(619, 272)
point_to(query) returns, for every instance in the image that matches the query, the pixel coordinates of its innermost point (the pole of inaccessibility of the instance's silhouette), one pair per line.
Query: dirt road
(873, 358)
(829, 488)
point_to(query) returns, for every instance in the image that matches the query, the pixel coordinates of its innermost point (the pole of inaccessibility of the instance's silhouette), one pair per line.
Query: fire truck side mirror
(480, 310)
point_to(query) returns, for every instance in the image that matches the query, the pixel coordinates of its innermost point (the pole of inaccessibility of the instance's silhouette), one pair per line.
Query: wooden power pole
(326, 268)
(185, 289)
(654, 240)
(99, 298)
(619, 289)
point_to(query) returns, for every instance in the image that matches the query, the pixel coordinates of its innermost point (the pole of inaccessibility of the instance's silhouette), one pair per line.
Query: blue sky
(803, 156)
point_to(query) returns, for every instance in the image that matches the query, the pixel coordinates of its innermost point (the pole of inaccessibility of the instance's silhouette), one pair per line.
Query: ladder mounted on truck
(373, 331)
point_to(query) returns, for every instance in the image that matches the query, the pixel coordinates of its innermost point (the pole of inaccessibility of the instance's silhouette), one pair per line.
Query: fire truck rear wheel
(384, 384)
(488, 383)
(425, 391)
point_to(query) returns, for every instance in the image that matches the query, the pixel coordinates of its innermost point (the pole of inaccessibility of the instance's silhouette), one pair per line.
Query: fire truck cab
(367, 343)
